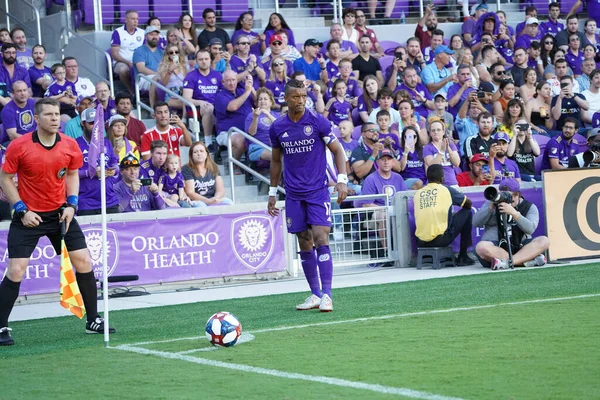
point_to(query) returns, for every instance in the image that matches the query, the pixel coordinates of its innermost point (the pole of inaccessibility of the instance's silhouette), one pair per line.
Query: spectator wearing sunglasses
(133, 193)
(244, 64)
(276, 47)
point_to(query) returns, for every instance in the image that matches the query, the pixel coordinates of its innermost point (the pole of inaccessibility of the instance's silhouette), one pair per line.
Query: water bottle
(402, 18)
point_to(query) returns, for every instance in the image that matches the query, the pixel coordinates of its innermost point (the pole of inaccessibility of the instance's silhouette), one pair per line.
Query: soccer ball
(223, 329)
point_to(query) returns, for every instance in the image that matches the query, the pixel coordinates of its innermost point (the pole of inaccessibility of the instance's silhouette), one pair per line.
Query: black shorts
(21, 240)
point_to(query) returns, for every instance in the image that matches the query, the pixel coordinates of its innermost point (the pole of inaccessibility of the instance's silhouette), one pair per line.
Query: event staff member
(89, 184)
(173, 136)
(436, 226)
(47, 164)
(523, 216)
(301, 138)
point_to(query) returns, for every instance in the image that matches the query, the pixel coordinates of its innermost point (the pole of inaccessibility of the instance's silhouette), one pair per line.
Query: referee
(47, 164)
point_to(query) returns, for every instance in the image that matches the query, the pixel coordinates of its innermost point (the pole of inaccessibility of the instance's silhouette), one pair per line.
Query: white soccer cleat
(310, 303)
(326, 304)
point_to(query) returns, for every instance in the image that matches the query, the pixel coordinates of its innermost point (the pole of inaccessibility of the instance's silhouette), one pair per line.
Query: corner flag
(70, 297)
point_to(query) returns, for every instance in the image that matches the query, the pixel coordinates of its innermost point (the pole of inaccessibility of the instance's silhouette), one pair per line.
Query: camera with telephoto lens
(495, 196)
(592, 156)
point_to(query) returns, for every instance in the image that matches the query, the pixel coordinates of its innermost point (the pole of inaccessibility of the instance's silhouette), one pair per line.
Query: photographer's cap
(486, 87)
(478, 157)
(88, 115)
(386, 153)
(593, 133)
(501, 135)
(129, 161)
(509, 184)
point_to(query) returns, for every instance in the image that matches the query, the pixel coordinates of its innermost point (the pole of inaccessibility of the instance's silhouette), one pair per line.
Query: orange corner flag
(70, 297)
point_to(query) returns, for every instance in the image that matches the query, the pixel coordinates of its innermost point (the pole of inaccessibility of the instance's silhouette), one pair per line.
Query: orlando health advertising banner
(168, 250)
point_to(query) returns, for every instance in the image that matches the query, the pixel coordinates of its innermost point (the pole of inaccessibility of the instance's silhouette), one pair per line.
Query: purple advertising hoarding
(534, 195)
(168, 250)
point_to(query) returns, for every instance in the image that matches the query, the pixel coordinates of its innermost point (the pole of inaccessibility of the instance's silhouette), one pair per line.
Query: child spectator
(338, 107)
(63, 91)
(389, 139)
(440, 106)
(171, 184)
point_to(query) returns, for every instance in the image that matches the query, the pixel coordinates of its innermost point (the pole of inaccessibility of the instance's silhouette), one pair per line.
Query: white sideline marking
(415, 394)
(244, 338)
(411, 314)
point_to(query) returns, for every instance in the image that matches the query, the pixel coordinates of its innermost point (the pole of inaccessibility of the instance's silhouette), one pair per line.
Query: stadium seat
(385, 62)
(108, 11)
(356, 121)
(169, 11)
(199, 6)
(231, 10)
(356, 133)
(141, 6)
(388, 46)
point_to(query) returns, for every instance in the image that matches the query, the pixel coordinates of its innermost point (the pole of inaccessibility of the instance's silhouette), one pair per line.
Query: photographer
(591, 157)
(522, 218)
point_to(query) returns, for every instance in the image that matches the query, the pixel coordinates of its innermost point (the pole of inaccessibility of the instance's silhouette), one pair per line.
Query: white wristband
(272, 191)
(342, 178)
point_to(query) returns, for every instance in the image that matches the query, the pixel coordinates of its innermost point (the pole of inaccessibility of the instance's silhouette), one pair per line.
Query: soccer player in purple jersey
(301, 138)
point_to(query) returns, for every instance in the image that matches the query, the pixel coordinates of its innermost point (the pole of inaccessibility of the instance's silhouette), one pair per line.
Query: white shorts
(222, 138)
(143, 83)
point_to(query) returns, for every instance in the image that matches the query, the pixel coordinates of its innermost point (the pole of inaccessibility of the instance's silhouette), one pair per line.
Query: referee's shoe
(5, 337)
(97, 326)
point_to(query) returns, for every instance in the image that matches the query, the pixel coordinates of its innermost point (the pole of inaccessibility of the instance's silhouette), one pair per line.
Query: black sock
(9, 291)
(89, 293)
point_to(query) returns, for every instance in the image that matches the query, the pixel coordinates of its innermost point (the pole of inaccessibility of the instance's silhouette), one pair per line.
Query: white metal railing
(194, 125)
(66, 33)
(36, 13)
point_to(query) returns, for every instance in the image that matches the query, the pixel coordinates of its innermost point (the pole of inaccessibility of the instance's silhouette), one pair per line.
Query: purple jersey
(262, 128)
(561, 149)
(349, 147)
(524, 41)
(468, 27)
(333, 70)
(278, 89)
(452, 91)
(55, 89)
(575, 61)
(394, 138)
(362, 105)
(14, 116)
(551, 28)
(345, 45)
(339, 111)
(238, 66)
(205, 87)
(149, 170)
(422, 90)
(593, 9)
(352, 89)
(509, 169)
(142, 200)
(227, 119)
(303, 145)
(109, 110)
(449, 172)
(503, 49)
(34, 75)
(377, 184)
(24, 58)
(289, 66)
(415, 167)
(89, 187)
(19, 74)
(171, 185)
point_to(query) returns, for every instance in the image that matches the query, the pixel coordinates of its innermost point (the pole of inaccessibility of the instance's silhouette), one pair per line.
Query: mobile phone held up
(480, 94)
(564, 85)
(485, 169)
(146, 181)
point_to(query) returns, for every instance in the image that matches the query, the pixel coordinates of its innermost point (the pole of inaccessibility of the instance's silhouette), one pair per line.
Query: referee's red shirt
(42, 172)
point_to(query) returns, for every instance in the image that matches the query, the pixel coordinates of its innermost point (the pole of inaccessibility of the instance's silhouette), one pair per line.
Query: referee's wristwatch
(73, 206)
(21, 213)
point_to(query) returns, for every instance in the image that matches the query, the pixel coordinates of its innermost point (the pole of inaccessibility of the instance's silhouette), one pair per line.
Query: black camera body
(495, 196)
(592, 156)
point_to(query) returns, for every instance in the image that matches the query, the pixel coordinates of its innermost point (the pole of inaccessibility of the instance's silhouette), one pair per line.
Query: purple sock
(325, 268)
(309, 265)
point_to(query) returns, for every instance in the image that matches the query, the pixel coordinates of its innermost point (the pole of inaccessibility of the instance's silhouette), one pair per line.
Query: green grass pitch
(525, 334)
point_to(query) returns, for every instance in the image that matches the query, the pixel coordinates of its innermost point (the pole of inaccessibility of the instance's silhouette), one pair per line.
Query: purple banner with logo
(534, 195)
(168, 250)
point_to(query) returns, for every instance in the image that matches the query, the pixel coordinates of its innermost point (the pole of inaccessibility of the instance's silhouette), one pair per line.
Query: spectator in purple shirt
(244, 64)
(530, 34)
(530, 12)
(502, 167)
(155, 167)
(24, 58)
(17, 115)
(132, 195)
(103, 98)
(348, 49)
(232, 106)
(10, 71)
(419, 94)
(258, 124)
(277, 23)
(64, 91)
(200, 87)
(552, 26)
(460, 91)
(278, 77)
(243, 27)
(411, 159)
(574, 55)
(560, 148)
(468, 27)
(39, 74)
(89, 185)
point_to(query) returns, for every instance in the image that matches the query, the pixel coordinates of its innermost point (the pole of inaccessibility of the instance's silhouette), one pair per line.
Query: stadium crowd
(491, 103)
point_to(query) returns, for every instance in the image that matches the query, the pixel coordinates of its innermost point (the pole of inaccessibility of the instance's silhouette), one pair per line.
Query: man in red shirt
(135, 127)
(47, 163)
(476, 176)
(361, 27)
(173, 136)
(430, 21)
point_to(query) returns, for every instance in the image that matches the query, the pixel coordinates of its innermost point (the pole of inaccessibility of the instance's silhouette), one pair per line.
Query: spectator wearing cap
(459, 92)
(523, 217)
(219, 58)
(436, 224)
(10, 71)
(436, 77)
(17, 115)
(133, 196)
(502, 167)
(276, 47)
(523, 148)
(285, 49)
(89, 182)
(568, 104)
(482, 142)
(200, 87)
(146, 60)
(560, 148)
(363, 29)
(211, 31)
(73, 127)
(530, 34)
(123, 42)
(468, 27)
(418, 92)
(488, 25)
(562, 38)
(430, 21)
(441, 150)
(476, 175)
(347, 48)
(552, 26)
(487, 93)
(530, 12)
(309, 63)
(440, 107)
(245, 64)
(592, 158)
(155, 167)
(117, 135)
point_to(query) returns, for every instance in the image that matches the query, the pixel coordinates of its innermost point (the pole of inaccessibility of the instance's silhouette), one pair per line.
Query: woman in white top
(348, 32)
(171, 73)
